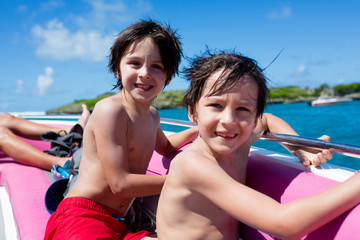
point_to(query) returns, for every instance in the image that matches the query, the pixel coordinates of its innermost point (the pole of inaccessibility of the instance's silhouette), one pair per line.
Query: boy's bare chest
(141, 145)
(237, 171)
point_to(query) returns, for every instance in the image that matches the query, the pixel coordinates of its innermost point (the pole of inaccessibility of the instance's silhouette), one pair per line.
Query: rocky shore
(171, 99)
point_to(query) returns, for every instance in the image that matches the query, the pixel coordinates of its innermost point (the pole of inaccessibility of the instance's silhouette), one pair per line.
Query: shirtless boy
(204, 195)
(120, 137)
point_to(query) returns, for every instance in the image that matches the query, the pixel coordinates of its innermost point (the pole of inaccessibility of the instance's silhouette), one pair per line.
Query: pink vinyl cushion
(283, 184)
(286, 184)
(26, 187)
(159, 164)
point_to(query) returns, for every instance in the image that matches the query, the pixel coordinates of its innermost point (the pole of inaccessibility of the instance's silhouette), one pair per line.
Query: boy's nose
(144, 72)
(228, 117)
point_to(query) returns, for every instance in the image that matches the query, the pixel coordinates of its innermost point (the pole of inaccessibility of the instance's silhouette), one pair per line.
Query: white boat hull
(329, 101)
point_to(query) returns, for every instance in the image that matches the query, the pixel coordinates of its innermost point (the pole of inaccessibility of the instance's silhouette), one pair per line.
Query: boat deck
(280, 176)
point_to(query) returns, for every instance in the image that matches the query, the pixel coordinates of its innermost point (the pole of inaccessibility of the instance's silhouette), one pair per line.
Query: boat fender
(54, 194)
(58, 189)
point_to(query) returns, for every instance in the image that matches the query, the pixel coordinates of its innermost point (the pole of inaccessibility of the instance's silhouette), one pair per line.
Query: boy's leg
(32, 130)
(23, 127)
(25, 153)
(83, 119)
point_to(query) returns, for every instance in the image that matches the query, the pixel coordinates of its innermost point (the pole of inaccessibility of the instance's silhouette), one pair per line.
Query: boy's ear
(167, 82)
(117, 74)
(256, 122)
(191, 115)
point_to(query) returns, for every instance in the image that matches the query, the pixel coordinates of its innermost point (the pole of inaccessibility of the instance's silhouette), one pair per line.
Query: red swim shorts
(81, 218)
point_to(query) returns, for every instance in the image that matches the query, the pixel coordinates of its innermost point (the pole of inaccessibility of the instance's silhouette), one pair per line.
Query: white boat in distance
(328, 100)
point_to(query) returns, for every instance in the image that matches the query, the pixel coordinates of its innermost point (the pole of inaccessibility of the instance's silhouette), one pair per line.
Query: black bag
(62, 146)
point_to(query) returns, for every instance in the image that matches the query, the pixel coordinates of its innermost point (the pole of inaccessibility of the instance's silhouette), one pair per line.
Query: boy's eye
(243, 109)
(135, 63)
(215, 105)
(158, 66)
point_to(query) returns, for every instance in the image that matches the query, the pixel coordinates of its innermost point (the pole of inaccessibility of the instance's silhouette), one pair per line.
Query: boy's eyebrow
(247, 100)
(132, 58)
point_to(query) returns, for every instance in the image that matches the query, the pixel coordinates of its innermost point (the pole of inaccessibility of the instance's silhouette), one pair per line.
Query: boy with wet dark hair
(204, 195)
(120, 137)
(235, 65)
(166, 39)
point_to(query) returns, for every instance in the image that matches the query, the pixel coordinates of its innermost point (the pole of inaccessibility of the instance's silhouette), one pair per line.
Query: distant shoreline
(173, 99)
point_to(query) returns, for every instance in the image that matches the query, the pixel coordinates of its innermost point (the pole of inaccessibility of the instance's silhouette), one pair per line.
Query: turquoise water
(341, 122)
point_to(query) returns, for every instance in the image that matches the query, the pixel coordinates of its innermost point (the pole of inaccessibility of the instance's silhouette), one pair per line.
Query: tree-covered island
(173, 99)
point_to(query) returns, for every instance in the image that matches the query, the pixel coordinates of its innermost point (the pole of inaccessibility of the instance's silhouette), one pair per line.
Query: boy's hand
(312, 156)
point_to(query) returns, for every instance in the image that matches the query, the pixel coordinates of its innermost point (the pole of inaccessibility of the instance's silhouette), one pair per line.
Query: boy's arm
(270, 123)
(287, 221)
(166, 145)
(112, 149)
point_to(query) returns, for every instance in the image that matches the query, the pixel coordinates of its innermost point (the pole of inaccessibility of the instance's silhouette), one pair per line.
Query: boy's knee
(5, 118)
(4, 134)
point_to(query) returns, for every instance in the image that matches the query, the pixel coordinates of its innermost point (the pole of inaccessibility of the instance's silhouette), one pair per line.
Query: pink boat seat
(283, 184)
(286, 184)
(26, 187)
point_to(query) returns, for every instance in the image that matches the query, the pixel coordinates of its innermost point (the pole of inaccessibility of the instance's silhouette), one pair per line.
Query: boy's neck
(234, 164)
(140, 108)
(240, 154)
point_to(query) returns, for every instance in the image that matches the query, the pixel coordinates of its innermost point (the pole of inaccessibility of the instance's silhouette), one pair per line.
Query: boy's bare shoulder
(108, 112)
(185, 158)
(154, 113)
(191, 165)
(108, 106)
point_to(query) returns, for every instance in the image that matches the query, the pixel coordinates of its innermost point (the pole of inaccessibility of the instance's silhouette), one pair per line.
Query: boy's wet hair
(165, 38)
(234, 66)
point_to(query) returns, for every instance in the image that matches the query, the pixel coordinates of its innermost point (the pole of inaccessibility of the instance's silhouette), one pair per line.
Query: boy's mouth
(226, 135)
(142, 86)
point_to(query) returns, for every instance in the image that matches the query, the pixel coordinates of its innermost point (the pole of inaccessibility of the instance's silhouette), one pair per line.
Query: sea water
(341, 122)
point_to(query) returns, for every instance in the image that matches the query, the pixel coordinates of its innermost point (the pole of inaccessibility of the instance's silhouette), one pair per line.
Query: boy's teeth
(224, 135)
(143, 87)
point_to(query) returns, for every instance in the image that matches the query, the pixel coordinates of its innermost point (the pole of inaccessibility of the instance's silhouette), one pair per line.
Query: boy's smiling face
(225, 120)
(142, 71)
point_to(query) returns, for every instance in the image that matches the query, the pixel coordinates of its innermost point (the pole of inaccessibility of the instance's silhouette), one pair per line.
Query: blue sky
(53, 52)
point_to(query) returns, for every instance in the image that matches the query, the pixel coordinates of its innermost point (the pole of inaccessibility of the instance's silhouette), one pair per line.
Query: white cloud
(57, 42)
(82, 36)
(111, 14)
(45, 81)
(22, 8)
(19, 86)
(101, 10)
(51, 5)
(340, 81)
(301, 71)
(282, 13)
